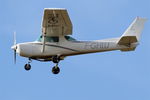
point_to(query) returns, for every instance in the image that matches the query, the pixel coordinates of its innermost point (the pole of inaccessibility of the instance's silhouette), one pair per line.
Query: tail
(132, 34)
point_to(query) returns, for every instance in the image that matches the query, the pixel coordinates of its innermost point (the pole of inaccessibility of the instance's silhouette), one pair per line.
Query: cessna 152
(55, 44)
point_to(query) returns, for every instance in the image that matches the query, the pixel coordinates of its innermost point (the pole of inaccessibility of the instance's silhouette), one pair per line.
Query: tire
(55, 70)
(27, 67)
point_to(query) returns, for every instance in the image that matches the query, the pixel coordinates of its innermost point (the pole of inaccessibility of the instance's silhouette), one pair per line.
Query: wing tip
(141, 18)
(55, 9)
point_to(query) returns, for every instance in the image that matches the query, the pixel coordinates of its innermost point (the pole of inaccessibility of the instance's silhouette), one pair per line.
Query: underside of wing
(56, 22)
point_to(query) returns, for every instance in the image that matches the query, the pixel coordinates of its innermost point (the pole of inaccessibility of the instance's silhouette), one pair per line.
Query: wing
(56, 22)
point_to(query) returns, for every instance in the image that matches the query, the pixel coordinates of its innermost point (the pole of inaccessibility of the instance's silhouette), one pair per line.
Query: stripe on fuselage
(58, 47)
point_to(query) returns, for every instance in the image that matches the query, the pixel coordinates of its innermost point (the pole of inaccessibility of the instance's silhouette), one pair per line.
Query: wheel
(27, 67)
(55, 70)
(55, 59)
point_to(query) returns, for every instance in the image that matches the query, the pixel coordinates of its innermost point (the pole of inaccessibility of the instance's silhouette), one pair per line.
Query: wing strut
(43, 40)
(44, 35)
(43, 49)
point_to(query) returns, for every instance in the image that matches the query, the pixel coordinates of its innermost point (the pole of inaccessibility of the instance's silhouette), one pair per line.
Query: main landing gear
(56, 69)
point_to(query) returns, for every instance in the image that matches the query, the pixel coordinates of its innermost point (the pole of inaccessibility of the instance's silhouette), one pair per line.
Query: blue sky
(101, 76)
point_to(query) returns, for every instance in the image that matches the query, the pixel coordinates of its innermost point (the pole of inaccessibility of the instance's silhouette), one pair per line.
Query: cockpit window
(69, 38)
(39, 39)
(49, 39)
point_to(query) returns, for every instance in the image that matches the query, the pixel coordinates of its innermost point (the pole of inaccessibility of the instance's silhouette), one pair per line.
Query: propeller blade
(15, 47)
(14, 38)
(15, 56)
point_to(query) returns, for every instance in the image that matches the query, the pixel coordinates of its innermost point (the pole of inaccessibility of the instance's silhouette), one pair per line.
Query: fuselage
(65, 48)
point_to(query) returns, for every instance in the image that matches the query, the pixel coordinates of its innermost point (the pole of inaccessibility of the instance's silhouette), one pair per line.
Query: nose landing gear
(27, 66)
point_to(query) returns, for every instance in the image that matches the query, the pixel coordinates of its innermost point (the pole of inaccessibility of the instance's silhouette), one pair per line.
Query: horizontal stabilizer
(127, 40)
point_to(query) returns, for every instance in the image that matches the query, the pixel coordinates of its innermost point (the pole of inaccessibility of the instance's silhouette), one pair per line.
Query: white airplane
(55, 44)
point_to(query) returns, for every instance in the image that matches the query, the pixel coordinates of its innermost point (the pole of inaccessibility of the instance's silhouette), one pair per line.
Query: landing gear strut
(55, 59)
(56, 69)
(27, 66)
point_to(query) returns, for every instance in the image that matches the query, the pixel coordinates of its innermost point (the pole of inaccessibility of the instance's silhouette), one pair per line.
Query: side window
(52, 39)
(39, 39)
(49, 39)
(55, 39)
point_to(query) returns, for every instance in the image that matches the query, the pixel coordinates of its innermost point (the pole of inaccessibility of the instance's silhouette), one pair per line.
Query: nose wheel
(27, 66)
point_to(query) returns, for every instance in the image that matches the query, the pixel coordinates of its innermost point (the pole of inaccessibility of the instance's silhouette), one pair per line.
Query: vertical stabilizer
(136, 27)
(133, 32)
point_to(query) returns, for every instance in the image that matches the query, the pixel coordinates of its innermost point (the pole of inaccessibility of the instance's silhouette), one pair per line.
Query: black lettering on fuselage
(96, 45)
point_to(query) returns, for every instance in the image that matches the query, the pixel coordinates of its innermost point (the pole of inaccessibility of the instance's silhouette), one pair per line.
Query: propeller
(14, 47)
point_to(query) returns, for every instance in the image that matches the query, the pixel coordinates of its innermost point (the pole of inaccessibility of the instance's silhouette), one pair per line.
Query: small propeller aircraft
(55, 42)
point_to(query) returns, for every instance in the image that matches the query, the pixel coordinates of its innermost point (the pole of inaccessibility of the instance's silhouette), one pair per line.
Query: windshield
(69, 38)
(49, 39)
